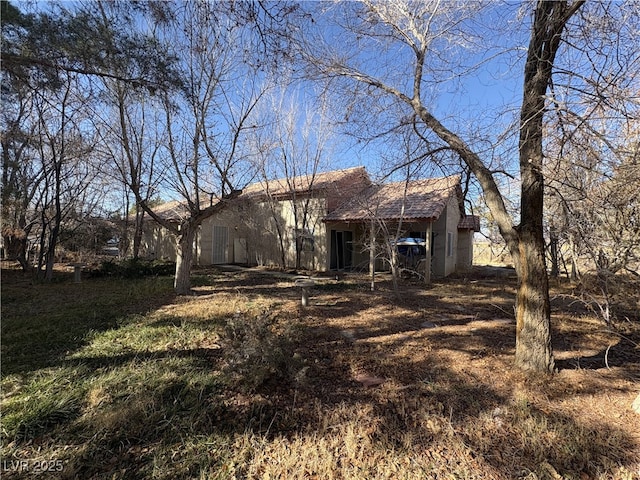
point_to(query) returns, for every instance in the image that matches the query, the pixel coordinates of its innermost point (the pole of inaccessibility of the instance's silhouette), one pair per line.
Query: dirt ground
(463, 328)
(468, 323)
(428, 360)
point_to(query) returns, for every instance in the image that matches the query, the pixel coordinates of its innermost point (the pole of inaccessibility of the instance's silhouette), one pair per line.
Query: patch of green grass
(51, 397)
(105, 368)
(143, 338)
(140, 412)
(42, 323)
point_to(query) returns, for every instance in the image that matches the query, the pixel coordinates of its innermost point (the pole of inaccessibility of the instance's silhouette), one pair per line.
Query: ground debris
(369, 380)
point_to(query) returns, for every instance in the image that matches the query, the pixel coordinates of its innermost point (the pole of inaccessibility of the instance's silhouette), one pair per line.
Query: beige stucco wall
(227, 218)
(465, 250)
(444, 264)
(157, 242)
(253, 237)
(257, 225)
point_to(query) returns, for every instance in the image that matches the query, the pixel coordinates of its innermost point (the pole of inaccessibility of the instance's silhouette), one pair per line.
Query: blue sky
(482, 103)
(479, 98)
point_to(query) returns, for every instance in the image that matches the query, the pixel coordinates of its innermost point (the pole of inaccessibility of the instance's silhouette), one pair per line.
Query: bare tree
(21, 176)
(592, 156)
(428, 41)
(385, 234)
(594, 207)
(204, 158)
(219, 50)
(293, 147)
(64, 148)
(51, 57)
(132, 132)
(388, 235)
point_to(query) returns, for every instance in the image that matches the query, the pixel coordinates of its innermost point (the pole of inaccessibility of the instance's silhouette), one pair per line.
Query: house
(430, 210)
(280, 222)
(157, 242)
(324, 221)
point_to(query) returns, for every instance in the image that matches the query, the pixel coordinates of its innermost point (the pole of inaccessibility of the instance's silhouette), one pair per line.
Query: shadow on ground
(447, 391)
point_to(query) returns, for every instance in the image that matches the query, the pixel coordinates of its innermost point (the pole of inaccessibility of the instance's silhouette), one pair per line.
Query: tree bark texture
(533, 312)
(137, 232)
(524, 241)
(184, 258)
(372, 255)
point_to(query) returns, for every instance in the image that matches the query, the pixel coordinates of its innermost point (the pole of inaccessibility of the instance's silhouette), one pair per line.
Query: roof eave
(383, 219)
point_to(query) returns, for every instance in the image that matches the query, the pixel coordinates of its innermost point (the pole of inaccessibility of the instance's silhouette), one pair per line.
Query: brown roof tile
(421, 200)
(469, 222)
(172, 211)
(338, 185)
(307, 183)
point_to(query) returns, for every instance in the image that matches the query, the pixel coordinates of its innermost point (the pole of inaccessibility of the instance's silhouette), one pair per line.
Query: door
(240, 250)
(220, 244)
(341, 250)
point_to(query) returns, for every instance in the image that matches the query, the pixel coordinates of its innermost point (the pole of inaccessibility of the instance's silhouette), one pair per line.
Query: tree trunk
(283, 250)
(525, 242)
(137, 232)
(299, 241)
(575, 272)
(395, 270)
(123, 236)
(44, 222)
(372, 256)
(57, 221)
(51, 251)
(533, 311)
(427, 256)
(184, 259)
(553, 250)
(16, 245)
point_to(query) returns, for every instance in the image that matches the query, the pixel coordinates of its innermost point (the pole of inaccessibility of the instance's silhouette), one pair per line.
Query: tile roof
(469, 222)
(423, 199)
(346, 182)
(305, 183)
(173, 211)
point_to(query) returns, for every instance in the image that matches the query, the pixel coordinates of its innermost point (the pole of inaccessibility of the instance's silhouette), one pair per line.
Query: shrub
(259, 352)
(611, 297)
(134, 268)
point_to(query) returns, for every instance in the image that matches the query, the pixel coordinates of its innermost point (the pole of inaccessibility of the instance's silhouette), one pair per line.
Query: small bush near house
(134, 268)
(260, 351)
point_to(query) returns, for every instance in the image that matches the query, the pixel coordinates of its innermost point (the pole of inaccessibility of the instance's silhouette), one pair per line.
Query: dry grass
(238, 381)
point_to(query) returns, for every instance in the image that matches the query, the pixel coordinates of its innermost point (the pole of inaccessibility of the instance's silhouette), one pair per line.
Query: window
(449, 244)
(305, 240)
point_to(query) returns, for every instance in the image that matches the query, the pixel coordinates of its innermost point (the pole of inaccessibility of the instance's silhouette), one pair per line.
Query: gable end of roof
(469, 222)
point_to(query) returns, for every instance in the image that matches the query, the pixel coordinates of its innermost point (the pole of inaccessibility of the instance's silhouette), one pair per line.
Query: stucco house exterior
(328, 217)
(430, 210)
